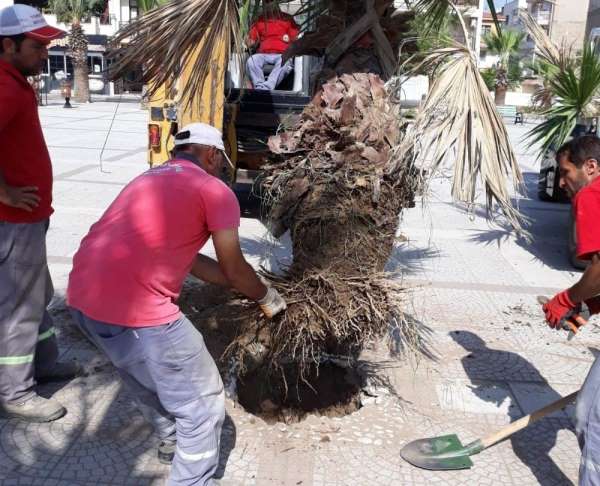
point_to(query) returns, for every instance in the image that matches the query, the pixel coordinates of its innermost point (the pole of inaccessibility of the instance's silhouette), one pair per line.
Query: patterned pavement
(472, 284)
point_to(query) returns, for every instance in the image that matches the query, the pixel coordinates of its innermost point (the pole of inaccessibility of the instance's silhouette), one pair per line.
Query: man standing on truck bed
(579, 165)
(127, 276)
(273, 31)
(28, 348)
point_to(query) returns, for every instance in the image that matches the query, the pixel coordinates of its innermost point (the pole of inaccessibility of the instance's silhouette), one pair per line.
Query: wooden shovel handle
(523, 422)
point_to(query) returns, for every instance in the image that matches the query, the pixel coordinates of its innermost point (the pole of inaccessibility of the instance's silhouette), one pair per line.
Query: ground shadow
(547, 224)
(103, 439)
(534, 452)
(407, 259)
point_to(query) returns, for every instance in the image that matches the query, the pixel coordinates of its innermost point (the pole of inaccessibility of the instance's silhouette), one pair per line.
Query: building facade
(593, 20)
(98, 30)
(486, 58)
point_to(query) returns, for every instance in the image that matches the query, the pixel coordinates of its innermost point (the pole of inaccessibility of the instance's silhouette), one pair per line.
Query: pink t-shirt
(130, 268)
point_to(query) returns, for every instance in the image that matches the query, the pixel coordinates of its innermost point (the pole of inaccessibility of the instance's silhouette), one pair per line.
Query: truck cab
(247, 117)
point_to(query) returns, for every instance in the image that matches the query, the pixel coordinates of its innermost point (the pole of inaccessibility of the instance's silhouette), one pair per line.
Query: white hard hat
(23, 19)
(201, 134)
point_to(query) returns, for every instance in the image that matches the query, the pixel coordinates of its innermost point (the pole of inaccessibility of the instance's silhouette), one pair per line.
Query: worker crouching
(127, 276)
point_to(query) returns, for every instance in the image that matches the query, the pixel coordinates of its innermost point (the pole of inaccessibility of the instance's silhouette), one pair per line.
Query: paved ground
(473, 286)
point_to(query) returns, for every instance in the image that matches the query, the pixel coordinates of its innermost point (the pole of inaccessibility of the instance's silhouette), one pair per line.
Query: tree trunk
(500, 95)
(501, 86)
(78, 51)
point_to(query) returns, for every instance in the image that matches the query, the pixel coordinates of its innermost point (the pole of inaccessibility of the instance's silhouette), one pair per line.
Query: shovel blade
(442, 453)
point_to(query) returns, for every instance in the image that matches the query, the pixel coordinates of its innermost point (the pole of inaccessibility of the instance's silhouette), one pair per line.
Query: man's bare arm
(240, 275)
(208, 270)
(589, 284)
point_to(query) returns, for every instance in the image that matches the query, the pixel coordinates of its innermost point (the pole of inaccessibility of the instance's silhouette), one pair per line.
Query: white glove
(272, 303)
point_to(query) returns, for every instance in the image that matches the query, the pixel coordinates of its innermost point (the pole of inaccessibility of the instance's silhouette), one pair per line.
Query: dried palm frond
(172, 36)
(547, 50)
(459, 122)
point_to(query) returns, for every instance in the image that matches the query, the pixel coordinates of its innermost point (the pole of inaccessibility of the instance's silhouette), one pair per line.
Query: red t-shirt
(586, 207)
(269, 31)
(24, 158)
(130, 268)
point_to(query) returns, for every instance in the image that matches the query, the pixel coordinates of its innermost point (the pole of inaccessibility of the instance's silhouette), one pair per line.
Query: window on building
(94, 63)
(57, 63)
(486, 30)
(70, 67)
(133, 9)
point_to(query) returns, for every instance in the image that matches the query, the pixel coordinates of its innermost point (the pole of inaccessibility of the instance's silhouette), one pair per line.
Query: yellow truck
(247, 117)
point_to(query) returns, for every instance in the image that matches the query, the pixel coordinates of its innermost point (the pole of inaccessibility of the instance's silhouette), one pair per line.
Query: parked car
(549, 179)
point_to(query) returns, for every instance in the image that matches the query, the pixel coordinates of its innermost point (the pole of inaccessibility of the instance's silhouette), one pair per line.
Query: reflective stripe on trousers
(27, 338)
(171, 373)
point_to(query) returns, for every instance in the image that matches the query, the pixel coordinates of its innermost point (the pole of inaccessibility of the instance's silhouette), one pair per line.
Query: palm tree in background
(572, 88)
(73, 12)
(506, 45)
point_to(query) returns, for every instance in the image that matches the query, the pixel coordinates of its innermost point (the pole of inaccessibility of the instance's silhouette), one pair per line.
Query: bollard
(66, 93)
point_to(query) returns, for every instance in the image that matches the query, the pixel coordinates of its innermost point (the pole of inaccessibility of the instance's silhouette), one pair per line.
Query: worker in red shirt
(124, 286)
(272, 32)
(28, 349)
(579, 165)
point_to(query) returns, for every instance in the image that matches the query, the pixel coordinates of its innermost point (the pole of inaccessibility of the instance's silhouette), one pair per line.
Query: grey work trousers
(27, 341)
(587, 427)
(256, 64)
(176, 385)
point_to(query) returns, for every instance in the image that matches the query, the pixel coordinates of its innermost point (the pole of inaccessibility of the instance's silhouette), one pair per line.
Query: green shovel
(446, 452)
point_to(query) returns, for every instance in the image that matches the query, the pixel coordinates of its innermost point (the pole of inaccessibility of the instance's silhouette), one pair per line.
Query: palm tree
(505, 44)
(573, 85)
(73, 12)
(340, 177)
(545, 72)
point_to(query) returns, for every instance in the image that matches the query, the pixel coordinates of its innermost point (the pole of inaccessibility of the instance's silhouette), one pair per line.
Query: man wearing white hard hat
(28, 348)
(127, 276)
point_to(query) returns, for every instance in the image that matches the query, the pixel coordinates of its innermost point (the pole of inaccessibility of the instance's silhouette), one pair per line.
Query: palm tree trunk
(78, 50)
(500, 95)
(501, 86)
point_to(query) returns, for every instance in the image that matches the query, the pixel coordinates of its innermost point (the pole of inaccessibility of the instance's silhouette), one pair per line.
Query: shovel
(447, 453)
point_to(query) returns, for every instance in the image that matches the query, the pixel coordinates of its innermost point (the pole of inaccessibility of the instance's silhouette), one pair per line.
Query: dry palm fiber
(361, 56)
(373, 47)
(328, 185)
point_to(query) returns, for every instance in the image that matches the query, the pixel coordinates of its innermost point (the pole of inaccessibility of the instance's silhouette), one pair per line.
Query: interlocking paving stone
(495, 360)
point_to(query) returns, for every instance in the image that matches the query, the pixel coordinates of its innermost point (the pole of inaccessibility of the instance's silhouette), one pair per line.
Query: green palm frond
(437, 11)
(504, 44)
(168, 37)
(435, 15)
(144, 6)
(74, 11)
(543, 96)
(576, 88)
